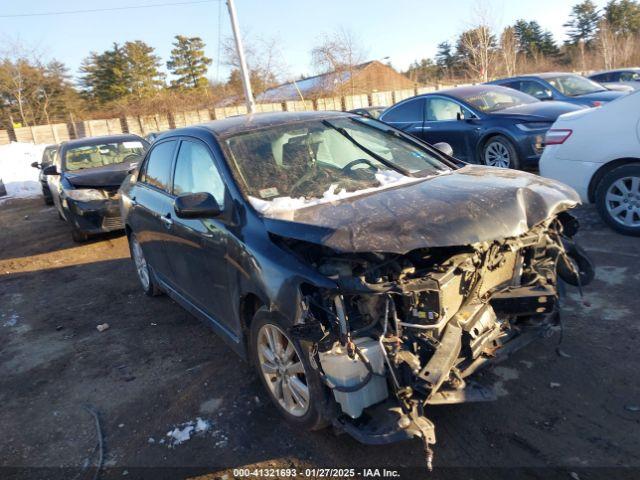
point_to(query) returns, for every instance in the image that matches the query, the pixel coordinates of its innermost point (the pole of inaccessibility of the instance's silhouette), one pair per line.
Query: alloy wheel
(141, 264)
(622, 201)
(496, 154)
(283, 370)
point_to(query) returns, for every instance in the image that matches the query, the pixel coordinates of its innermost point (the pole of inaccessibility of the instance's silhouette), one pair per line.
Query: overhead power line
(111, 9)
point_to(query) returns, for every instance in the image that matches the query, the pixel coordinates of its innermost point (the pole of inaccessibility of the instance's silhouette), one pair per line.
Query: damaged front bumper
(403, 332)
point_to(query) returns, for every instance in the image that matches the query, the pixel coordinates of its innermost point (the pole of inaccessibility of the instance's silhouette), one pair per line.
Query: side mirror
(36, 165)
(50, 170)
(460, 116)
(196, 205)
(444, 147)
(544, 95)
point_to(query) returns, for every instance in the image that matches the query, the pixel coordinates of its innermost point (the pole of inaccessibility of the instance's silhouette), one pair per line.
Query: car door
(407, 116)
(54, 184)
(152, 206)
(198, 247)
(448, 121)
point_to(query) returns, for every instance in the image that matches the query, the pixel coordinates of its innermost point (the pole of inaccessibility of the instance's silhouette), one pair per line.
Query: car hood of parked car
(107, 176)
(603, 96)
(470, 205)
(539, 111)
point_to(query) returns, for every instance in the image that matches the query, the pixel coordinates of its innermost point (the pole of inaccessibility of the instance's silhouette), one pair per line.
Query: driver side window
(196, 172)
(442, 110)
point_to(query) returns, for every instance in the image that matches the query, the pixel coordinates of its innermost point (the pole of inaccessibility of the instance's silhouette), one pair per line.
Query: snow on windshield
(284, 207)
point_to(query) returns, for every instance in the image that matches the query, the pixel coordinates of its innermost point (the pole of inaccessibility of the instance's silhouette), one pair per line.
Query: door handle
(134, 202)
(166, 219)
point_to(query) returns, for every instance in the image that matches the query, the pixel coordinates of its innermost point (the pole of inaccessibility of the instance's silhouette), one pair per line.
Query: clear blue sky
(403, 30)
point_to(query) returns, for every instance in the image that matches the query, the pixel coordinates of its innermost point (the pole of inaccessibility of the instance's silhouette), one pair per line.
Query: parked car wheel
(618, 199)
(145, 274)
(79, 236)
(498, 151)
(286, 374)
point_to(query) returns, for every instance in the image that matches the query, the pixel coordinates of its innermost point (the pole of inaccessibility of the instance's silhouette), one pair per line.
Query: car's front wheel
(618, 199)
(284, 370)
(145, 274)
(498, 151)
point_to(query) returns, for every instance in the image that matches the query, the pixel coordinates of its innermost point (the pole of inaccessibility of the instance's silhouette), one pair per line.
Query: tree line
(128, 78)
(596, 39)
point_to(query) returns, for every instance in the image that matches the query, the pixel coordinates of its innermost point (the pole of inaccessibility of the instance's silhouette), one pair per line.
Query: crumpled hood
(107, 176)
(469, 205)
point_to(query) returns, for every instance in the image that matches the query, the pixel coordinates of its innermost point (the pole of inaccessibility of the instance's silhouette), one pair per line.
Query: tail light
(557, 136)
(596, 103)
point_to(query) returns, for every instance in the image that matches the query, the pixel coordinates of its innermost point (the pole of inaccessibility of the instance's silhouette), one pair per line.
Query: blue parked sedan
(486, 124)
(565, 87)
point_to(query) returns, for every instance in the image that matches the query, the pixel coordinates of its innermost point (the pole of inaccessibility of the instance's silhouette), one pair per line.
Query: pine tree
(583, 23)
(623, 17)
(188, 62)
(143, 76)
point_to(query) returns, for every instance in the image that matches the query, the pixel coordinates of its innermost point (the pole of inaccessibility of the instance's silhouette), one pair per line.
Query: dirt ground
(156, 368)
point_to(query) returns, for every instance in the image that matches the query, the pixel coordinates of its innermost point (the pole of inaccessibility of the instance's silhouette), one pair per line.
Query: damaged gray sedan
(366, 274)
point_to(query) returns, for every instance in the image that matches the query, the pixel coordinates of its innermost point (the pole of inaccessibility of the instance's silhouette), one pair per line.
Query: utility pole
(244, 71)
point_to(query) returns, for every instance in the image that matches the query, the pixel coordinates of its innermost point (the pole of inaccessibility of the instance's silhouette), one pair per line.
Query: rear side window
(442, 110)
(603, 77)
(196, 172)
(409, 112)
(157, 169)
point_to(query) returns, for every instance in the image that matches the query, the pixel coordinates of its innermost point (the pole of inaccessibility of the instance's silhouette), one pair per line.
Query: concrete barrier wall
(356, 101)
(381, 99)
(331, 103)
(54, 133)
(191, 117)
(4, 137)
(94, 128)
(399, 95)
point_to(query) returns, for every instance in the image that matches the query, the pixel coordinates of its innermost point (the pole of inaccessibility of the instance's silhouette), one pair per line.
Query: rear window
(410, 111)
(103, 154)
(157, 170)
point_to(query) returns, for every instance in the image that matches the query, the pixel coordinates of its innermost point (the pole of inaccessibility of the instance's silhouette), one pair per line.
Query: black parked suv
(364, 273)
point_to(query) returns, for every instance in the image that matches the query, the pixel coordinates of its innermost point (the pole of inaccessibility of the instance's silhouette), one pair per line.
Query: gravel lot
(156, 368)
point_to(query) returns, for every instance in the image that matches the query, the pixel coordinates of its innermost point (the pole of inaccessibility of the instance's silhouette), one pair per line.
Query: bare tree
(264, 60)
(509, 50)
(338, 52)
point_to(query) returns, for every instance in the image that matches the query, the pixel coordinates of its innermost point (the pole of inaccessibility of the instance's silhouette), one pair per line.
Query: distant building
(364, 78)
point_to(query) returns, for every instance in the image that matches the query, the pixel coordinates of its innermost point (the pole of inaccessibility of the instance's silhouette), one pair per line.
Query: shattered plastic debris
(554, 385)
(185, 431)
(280, 205)
(102, 327)
(632, 408)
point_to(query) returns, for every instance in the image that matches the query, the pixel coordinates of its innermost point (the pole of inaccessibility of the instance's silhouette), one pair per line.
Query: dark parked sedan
(565, 87)
(48, 157)
(487, 124)
(85, 177)
(364, 274)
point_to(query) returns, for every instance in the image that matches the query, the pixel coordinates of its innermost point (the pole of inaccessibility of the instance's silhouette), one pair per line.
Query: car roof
(81, 142)
(465, 91)
(542, 75)
(630, 69)
(246, 123)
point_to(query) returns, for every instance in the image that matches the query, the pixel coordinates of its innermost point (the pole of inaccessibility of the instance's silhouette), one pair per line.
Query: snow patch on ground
(19, 177)
(185, 431)
(283, 207)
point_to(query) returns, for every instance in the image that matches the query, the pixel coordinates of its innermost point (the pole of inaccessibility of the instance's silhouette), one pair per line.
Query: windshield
(574, 85)
(102, 154)
(295, 165)
(495, 99)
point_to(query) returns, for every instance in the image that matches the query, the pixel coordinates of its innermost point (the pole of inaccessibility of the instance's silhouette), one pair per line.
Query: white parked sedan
(597, 152)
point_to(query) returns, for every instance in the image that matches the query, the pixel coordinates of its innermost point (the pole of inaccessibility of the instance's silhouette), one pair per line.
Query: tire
(145, 274)
(79, 236)
(499, 151)
(317, 414)
(618, 208)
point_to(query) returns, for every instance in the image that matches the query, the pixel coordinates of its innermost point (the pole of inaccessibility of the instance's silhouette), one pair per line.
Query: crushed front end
(405, 331)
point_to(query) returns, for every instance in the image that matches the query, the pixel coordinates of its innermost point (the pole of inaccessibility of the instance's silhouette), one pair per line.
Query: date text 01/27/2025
(315, 473)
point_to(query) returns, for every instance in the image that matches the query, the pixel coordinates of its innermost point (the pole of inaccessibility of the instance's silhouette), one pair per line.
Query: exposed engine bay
(405, 331)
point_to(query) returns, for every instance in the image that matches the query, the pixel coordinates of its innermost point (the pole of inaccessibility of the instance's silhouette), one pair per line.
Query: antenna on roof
(244, 71)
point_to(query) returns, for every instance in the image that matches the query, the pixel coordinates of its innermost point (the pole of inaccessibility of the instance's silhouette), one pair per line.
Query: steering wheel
(349, 166)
